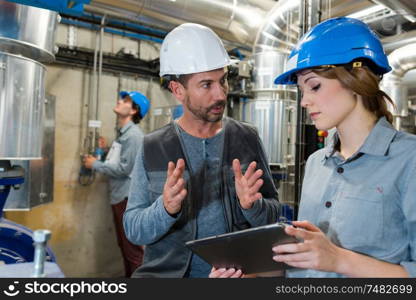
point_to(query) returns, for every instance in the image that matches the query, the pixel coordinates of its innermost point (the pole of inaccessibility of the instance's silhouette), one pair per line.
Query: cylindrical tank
(266, 65)
(275, 120)
(273, 110)
(28, 31)
(21, 107)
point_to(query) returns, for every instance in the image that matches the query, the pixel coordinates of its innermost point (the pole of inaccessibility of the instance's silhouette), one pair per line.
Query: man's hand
(228, 273)
(247, 186)
(174, 190)
(88, 161)
(225, 273)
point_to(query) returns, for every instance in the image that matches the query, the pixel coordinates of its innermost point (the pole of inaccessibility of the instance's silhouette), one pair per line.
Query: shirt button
(340, 170)
(328, 204)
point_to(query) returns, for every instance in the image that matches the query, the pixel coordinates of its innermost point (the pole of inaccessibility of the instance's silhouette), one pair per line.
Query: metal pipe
(400, 7)
(111, 30)
(276, 37)
(401, 60)
(91, 134)
(236, 20)
(100, 67)
(397, 41)
(125, 24)
(127, 16)
(40, 238)
(272, 109)
(300, 128)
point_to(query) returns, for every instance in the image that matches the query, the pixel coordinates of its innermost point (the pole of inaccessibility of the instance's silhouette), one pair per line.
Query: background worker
(130, 110)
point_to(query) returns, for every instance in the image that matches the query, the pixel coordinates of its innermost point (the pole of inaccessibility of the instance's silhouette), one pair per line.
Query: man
(130, 109)
(194, 186)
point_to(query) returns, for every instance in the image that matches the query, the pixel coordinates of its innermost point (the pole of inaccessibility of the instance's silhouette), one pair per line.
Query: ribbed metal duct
(235, 20)
(273, 109)
(277, 35)
(397, 41)
(272, 32)
(340, 8)
(405, 8)
(401, 60)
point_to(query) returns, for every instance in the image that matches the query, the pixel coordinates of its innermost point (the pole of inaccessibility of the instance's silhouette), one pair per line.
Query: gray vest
(169, 257)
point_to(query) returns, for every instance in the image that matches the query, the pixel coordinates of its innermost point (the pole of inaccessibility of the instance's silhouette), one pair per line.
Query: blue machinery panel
(16, 244)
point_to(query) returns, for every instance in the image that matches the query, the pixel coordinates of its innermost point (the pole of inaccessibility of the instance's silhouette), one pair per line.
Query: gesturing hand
(174, 190)
(247, 186)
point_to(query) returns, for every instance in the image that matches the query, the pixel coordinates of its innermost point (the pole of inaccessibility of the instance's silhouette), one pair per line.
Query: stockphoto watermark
(38, 287)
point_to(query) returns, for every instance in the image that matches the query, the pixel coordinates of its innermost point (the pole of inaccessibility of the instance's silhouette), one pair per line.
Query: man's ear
(178, 90)
(133, 111)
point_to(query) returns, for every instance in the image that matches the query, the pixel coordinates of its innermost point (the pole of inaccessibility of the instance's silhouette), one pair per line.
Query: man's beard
(203, 113)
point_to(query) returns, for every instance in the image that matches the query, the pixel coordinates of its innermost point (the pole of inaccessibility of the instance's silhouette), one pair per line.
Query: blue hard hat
(177, 111)
(335, 41)
(138, 98)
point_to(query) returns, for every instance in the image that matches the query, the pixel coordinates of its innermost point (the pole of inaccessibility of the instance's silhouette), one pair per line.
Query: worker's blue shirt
(366, 203)
(130, 138)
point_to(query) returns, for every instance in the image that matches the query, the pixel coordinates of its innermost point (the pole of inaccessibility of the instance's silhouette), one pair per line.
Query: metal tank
(276, 123)
(273, 109)
(22, 96)
(28, 31)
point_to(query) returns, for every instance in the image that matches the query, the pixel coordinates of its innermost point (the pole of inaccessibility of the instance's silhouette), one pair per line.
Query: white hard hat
(192, 48)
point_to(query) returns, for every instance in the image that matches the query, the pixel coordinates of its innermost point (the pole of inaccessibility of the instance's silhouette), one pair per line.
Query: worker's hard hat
(192, 48)
(138, 98)
(336, 41)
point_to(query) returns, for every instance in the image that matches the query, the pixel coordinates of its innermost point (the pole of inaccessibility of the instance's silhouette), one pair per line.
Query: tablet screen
(249, 250)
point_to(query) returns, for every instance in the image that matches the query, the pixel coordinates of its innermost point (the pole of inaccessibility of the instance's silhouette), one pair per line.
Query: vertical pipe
(100, 67)
(90, 136)
(299, 126)
(40, 239)
(100, 70)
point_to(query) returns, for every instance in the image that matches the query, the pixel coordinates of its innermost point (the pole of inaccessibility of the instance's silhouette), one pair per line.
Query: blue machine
(16, 243)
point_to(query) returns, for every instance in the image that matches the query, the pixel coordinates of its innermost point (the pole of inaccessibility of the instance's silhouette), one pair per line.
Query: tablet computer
(249, 250)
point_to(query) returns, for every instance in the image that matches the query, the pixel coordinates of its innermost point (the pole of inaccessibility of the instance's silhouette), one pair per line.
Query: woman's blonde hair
(362, 81)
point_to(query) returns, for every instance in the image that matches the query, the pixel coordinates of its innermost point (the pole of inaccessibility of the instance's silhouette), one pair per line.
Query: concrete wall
(80, 218)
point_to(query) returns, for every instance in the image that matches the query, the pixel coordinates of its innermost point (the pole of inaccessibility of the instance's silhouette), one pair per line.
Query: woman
(359, 193)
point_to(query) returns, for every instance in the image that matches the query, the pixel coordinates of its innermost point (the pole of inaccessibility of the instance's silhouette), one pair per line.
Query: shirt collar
(379, 139)
(126, 127)
(330, 149)
(376, 143)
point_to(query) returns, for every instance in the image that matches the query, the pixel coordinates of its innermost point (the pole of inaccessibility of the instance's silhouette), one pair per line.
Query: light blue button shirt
(130, 138)
(366, 203)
